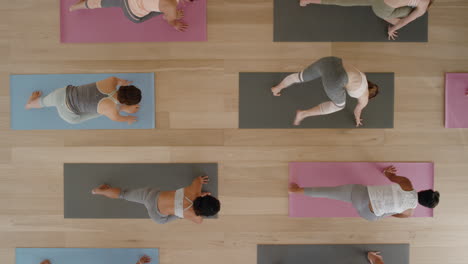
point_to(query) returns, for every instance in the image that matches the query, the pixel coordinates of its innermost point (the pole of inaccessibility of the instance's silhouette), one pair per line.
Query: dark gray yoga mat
(330, 254)
(258, 108)
(313, 23)
(80, 179)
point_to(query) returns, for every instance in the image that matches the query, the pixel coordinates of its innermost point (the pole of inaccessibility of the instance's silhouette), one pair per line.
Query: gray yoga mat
(313, 23)
(330, 254)
(258, 108)
(80, 179)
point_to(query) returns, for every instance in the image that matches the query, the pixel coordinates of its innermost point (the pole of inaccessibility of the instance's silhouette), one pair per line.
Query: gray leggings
(355, 194)
(57, 99)
(123, 4)
(334, 78)
(148, 197)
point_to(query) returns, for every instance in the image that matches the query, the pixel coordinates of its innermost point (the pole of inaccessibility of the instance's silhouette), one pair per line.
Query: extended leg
(341, 193)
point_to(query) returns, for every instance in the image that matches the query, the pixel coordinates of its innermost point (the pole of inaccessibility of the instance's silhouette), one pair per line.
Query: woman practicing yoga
(76, 104)
(337, 79)
(139, 11)
(142, 260)
(398, 199)
(165, 206)
(399, 13)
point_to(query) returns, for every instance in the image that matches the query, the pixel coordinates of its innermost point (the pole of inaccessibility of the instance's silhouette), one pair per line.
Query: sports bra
(179, 203)
(362, 89)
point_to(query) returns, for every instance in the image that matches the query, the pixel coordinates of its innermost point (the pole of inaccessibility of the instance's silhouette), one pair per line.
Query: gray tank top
(85, 98)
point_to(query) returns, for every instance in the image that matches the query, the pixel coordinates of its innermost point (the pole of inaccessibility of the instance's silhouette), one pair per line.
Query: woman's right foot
(33, 100)
(306, 2)
(374, 258)
(101, 189)
(78, 5)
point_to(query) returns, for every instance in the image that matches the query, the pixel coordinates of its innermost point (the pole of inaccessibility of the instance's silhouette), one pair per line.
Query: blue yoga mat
(21, 87)
(85, 255)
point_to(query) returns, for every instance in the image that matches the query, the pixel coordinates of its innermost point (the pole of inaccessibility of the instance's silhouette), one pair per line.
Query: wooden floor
(197, 86)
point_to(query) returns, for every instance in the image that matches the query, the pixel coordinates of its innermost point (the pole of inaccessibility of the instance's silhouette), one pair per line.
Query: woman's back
(391, 199)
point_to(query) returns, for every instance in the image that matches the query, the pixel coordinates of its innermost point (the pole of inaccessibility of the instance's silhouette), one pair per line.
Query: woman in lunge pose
(399, 13)
(338, 79)
(190, 202)
(398, 199)
(139, 11)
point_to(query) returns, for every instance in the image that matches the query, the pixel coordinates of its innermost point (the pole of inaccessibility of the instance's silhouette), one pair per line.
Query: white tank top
(179, 203)
(362, 89)
(391, 199)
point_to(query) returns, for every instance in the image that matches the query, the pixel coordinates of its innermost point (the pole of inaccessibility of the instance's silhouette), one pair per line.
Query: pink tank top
(142, 8)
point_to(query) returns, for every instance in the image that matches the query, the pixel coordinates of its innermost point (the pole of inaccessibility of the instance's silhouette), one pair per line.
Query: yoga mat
(85, 255)
(80, 179)
(110, 25)
(258, 108)
(313, 23)
(21, 87)
(330, 254)
(456, 101)
(318, 174)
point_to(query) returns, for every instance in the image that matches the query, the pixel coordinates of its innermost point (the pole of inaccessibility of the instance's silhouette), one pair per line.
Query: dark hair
(428, 198)
(206, 206)
(129, 95)
(373, 89)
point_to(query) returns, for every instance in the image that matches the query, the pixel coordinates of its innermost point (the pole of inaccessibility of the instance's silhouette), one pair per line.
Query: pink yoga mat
(318, 174)
(111, 25)
(456, 103)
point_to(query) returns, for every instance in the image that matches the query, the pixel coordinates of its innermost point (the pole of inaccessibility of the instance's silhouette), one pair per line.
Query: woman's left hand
(392, 34)
(359, 122)
(204, 179)
(145, 259)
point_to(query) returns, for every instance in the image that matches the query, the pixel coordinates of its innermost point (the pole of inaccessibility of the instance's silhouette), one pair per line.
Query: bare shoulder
(107, 85)
(106, 105)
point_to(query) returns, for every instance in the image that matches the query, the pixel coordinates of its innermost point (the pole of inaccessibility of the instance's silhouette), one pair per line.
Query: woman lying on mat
(337, 79)
(190, 202)
(374, 258)
(76, 104)
(399, 13)
(143, 260)
(398, 199)
(139, 11)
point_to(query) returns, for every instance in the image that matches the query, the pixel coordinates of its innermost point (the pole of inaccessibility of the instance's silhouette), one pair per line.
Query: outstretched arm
(405, 183)
(197, 184)
(417, 12)
(362, 103)
(107, 108)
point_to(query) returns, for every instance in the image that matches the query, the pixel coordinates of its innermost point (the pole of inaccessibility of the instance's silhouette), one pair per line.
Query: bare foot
(294, 188)
(306, 2)
(374, 258)
(300, 115)
(101, 188)
(276, 91)
(78, 5)
(32, 101)
(45, 261)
